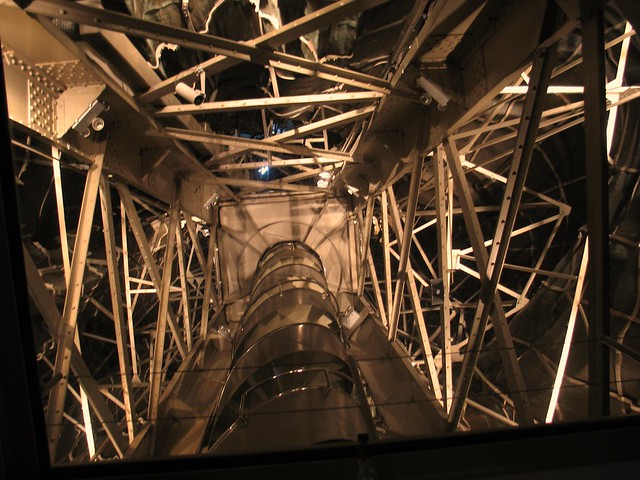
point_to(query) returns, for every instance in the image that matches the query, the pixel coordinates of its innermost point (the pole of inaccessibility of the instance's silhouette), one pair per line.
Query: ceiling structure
(436, 158)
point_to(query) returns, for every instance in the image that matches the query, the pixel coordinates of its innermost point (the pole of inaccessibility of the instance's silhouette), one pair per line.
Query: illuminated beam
(64, 246)
(67, 330)
(271, 185)
(566, 346)
(207, 300)
(127, 289)
(238, 142)
(364, 249)
(276, 162)
(376, 289)
(115, 289)
(443, 226)
(405, 247)
(184, 290)
(552, 89)
(384, 205)
(268, 102)
(157, 360)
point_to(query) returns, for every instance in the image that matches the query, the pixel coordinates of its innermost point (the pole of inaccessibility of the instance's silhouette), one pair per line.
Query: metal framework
(446, 298)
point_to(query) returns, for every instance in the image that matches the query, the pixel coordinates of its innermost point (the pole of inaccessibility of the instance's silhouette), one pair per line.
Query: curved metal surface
(304, 417)
(290, 367)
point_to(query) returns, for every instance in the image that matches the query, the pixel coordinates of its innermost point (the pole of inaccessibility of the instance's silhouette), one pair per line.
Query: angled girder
(67, 328)
(268, 102)
(118, 316)
(237, 142)
(444, 232)
(279, 184)
(157, 362)
(501, 327)
(407, 272)
(405, 246)
(278, 162)
(109, 20)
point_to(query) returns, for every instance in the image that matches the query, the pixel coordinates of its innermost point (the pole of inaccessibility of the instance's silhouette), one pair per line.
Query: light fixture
(432, 92)
(89, 119)
(264, 170)
(325, 175)
(189, 94)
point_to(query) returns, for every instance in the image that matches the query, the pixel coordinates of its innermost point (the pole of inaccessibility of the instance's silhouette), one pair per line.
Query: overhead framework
(441, 178)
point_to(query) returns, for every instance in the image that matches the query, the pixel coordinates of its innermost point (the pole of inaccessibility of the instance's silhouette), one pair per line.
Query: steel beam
(444, 231)
(296, 177)
(376, 289)
(405, 248)
(276, 163)
(147, 256)
(115, 288)
(501, 327)
(279, 184)
(208, 281)
(184, 290)
(67, 331)
(366, 239)
(127, 290)
(191, 228)
(597, 204)
(268, 102)
(519, 169)
(566, 346)
(432, 373)
(415, 47)
(64, 246)
(62, 224)
(617, 83)
(237, 142)
(384, 205)
(292, 31)
(245, 52)
(157, 360)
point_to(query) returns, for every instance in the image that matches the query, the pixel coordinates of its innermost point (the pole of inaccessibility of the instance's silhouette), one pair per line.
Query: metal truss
(447, 297)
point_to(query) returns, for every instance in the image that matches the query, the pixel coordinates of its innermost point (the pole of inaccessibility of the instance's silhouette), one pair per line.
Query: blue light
(263, 170)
